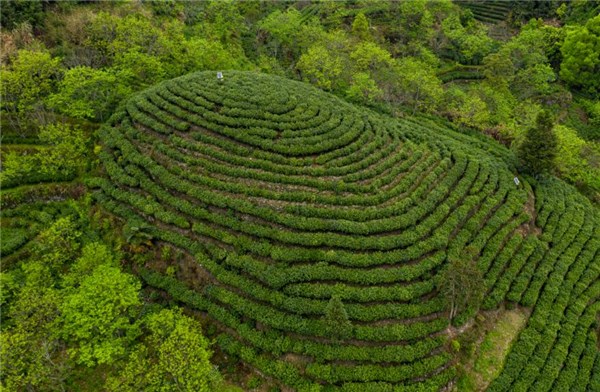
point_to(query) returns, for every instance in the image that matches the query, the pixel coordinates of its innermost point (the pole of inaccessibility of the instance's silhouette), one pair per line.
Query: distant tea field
(323, 232)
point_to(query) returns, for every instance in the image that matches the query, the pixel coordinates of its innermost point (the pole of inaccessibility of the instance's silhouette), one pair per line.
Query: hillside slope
(321, 230)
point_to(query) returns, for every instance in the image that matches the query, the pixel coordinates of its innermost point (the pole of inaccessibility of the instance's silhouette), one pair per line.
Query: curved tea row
(293, 202)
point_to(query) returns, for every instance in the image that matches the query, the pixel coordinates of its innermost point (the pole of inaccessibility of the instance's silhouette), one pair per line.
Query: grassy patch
(484, 359)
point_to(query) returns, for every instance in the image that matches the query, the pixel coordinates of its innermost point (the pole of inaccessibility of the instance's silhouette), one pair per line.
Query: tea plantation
(323, 229)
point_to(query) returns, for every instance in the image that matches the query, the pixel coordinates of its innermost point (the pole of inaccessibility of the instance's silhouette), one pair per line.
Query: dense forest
(370, 196)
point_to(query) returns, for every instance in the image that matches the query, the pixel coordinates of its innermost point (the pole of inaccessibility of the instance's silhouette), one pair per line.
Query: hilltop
(316, 235)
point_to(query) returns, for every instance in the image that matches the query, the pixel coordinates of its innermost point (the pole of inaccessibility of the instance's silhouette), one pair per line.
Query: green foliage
(139, 69)
(92, 256)
(16, 12)
(66, 153)
(63, 157)
(320, 67)
(98, 315)
(360, 27)
(284, 28)
(416, 85)
(523, 64)
(471, 41)
(575, 157)
(175, 356)
(58, 243)
(321, 231)
(363, 89)
(461, 285)
(467, 108)
(539, 148)
(368, 56)
(29, 346)
(26, 82)
(88, 93)
(336, 319)
(581, 56)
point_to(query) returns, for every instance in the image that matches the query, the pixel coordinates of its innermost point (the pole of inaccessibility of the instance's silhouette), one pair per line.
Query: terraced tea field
(298, 206)
(487, 11)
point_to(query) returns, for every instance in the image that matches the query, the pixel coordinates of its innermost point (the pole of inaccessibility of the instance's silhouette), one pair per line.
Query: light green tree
(581, 56)
(66, 152)
(61, 156)
(88, 93)
(97, 316)
(575, 157)
(92, 255)
(363, 88)
(466, 107)
(415, 21)
(284, 29)
(368, 56)
(30, 78)
(471, 41)
(416, 85)
(174, 357)
(57, 244)
(320, 67)
(29, 346)
(360, 27)
(138, 69)
(224, 22)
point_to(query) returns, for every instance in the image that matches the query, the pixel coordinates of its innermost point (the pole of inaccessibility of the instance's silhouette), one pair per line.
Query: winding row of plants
(293, 201)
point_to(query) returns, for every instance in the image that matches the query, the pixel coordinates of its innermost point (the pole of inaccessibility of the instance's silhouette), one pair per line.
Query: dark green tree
(336, 319)
(461, 284)
(538, 150)
(15, 12)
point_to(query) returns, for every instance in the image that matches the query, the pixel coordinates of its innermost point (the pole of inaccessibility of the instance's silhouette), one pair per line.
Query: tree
(57, 244)
(29, 346)
(92, 255)
(97, 315)
(15, 12)
(538, 151)
(224, 22)
(461, 284)
(139, 69)
(370, 56)
(88, 93)
(201, 54)
(575, 156)
(414, 22)
(174, 357)
(284, 29)
(581, 56)
(30, 78)
(336, 319)
(360, 27)
(60, 160)
(67, 150)
(467, 108)
(416, 85)
(320, 67)
(363, 88)
(468, 44)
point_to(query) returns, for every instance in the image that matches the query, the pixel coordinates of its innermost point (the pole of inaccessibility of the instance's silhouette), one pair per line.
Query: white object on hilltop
(220, 76)
(516, 181)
